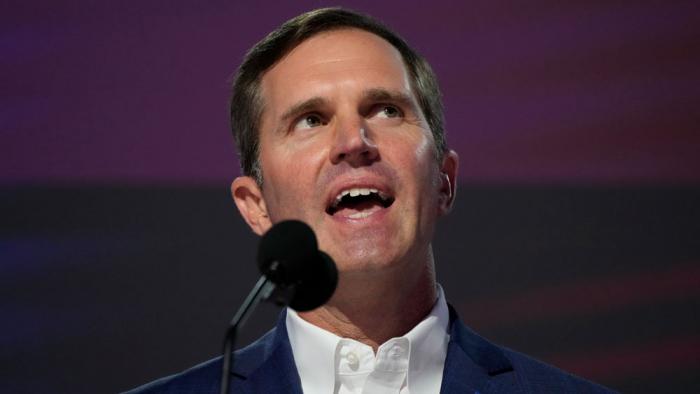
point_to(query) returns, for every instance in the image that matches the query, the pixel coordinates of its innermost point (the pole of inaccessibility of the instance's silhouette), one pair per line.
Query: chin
(366, 261)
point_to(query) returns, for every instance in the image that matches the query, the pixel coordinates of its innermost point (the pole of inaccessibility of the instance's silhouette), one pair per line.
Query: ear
(249, 200)
(448, 181)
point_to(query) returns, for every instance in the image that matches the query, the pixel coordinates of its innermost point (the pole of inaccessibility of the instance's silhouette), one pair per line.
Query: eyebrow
(392, 96)
(305, 106)
(374, 94)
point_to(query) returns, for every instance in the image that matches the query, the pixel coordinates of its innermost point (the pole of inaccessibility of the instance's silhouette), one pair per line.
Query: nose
(354, 145)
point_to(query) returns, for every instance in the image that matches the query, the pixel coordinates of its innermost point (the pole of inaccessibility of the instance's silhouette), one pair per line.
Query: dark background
(575, 237)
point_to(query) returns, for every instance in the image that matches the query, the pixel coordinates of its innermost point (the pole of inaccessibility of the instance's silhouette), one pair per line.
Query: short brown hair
(247, 103)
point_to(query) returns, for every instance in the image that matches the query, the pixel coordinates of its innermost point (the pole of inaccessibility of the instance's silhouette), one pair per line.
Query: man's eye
(308, 121)
(389, 111)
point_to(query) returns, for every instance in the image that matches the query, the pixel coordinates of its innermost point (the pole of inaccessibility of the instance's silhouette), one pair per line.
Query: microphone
(294, 273)
(288, 256)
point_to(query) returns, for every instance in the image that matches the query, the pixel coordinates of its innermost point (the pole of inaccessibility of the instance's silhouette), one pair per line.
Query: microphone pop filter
(284, 251)
(288, 255)
(317, 288)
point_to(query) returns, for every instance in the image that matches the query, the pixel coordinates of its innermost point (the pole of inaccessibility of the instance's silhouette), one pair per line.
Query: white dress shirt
(412, 363)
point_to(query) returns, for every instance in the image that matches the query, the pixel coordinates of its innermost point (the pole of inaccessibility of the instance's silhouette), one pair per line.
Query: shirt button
(396, 352)
(353, 360)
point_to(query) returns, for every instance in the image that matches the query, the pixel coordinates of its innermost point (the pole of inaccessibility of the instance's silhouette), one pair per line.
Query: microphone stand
(284, 255)
(264, 289)
(261, 291)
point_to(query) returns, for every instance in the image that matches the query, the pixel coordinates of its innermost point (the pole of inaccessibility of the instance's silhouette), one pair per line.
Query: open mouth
(357, 203)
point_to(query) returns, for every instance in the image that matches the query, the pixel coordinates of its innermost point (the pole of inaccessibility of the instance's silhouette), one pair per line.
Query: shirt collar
(314, 351)
(314, 354)
(429, 340)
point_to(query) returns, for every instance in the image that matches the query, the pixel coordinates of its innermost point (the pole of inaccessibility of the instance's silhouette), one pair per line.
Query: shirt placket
(390, 369)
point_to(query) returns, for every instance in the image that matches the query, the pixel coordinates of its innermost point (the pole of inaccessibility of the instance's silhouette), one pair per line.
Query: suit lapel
(275, 371)
(460, 374)
(474, 365)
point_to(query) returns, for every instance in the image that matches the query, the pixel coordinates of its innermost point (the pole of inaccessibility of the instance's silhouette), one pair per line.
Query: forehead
(333, 62)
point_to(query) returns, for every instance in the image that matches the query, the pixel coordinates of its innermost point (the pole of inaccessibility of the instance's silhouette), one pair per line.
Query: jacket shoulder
(491, 368)
(534, 376)
(205, 377)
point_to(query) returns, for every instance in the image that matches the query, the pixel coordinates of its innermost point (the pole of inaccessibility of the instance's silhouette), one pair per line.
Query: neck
(373, 307)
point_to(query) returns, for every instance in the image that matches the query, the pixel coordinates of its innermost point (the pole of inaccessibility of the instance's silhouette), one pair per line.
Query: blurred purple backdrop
(136, 92)
(574, 238)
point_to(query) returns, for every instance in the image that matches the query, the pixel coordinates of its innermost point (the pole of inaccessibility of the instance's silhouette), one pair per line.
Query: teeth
(360, 215)
(354, 192)
(357, 191)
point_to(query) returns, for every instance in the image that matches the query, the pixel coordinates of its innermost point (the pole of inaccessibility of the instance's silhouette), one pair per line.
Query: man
(339, 124)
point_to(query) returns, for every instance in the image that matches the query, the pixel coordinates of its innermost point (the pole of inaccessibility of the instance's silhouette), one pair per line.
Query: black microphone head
(285, 250)
(288, 255)
(317, 288)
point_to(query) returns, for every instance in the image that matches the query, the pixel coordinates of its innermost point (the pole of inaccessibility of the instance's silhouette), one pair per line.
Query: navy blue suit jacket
(473, 365)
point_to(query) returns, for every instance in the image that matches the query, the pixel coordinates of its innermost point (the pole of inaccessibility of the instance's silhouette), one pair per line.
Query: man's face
(345, 148)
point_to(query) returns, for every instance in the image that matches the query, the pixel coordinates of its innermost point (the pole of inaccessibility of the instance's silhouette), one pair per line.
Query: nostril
(354, 145)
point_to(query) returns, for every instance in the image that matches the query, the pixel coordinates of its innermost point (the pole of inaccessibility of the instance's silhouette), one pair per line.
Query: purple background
(541, 91)
(575, 237)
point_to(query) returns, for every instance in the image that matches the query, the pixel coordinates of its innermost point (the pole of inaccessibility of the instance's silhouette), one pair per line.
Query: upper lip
(382, 187)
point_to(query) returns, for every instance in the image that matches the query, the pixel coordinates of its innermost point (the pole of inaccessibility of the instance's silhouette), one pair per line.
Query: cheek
(425, 173)
(289, 177)
(422, 165)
